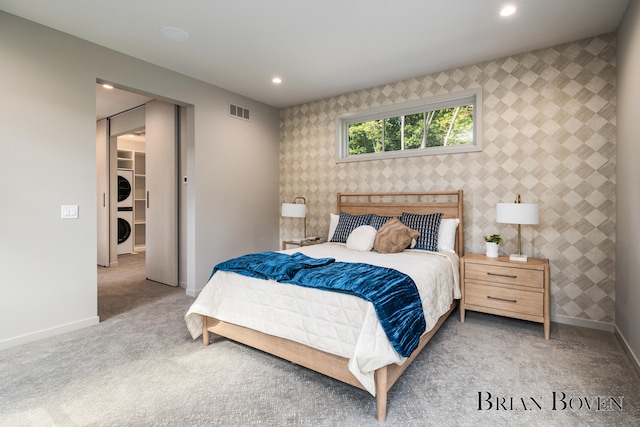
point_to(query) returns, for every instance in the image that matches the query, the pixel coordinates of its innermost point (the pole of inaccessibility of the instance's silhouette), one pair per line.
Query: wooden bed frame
(390, 204)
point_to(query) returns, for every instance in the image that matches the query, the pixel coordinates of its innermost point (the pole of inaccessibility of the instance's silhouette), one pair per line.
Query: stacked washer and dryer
(125, 211)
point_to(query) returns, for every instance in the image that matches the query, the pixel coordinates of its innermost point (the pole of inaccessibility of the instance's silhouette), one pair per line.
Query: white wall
(47, 135)
(628, 181)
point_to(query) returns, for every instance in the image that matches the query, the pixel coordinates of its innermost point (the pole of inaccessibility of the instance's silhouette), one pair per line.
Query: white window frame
(471, 96)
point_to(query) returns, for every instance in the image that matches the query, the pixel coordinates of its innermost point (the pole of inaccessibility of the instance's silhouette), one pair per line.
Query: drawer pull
(503, 275)
(502, 299)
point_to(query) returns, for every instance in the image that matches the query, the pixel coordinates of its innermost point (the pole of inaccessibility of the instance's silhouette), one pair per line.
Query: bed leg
(381, 393)
(205, 331)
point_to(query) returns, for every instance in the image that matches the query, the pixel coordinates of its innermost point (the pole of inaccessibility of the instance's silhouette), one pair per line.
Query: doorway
(151, 175)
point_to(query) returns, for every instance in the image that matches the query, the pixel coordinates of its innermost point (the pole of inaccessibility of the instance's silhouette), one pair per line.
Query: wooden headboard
(450, 203)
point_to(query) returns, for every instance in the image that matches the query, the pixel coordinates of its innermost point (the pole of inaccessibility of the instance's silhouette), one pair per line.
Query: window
(444, 124)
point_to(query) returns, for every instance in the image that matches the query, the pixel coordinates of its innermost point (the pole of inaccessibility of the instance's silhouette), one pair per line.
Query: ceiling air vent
(239, 112)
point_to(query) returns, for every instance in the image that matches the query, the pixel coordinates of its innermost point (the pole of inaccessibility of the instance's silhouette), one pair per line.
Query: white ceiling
(320, 48)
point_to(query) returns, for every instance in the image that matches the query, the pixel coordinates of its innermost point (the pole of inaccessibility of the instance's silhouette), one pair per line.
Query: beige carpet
(124, 288)
(139, 367)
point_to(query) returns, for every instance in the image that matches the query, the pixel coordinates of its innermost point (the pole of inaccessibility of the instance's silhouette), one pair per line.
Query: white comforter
(333, 322)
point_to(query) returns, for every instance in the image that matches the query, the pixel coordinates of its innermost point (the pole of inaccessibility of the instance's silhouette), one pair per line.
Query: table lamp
(296, 210)
(517, 213)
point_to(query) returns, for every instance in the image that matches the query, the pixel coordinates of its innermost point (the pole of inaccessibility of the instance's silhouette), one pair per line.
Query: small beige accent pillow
(394, 237)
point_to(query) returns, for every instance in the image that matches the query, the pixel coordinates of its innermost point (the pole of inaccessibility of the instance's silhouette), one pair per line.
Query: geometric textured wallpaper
(549, 133)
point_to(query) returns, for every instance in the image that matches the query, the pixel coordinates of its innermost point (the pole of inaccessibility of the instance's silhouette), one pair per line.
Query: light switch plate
(69, 212)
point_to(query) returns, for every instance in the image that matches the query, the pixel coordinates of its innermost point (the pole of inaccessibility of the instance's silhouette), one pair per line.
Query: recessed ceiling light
(507, 11)
(107, 86)
(276, 80)
(174, 34)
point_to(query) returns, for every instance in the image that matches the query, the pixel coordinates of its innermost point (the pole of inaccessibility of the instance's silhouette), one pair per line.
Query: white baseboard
(627, 349)
(591, 324)
(190, 292)
(193, 293)
(46, 333)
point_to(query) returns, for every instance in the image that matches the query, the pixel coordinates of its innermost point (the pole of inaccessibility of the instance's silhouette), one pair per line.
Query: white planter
(492, 249)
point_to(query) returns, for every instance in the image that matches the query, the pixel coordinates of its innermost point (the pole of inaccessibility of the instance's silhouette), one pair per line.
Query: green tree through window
(442, 124)
(435, 128)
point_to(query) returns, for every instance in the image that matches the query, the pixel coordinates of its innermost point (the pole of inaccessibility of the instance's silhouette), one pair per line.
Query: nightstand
(506, 288)
(300, 243)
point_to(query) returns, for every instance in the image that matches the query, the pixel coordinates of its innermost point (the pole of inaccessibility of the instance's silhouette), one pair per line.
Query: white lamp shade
(517, 213)
(294, 210)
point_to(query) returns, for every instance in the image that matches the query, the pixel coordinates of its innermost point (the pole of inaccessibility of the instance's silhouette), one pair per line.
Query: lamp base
(518, 258)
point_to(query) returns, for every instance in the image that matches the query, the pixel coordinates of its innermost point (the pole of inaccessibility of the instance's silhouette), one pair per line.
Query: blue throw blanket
(393, 294)
(271, 265)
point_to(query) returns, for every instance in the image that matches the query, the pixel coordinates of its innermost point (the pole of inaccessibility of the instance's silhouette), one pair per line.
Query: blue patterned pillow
(346, 224)
(427, 225)
(378, 221)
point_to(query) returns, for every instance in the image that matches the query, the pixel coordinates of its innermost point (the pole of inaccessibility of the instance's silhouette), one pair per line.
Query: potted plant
(492, 242)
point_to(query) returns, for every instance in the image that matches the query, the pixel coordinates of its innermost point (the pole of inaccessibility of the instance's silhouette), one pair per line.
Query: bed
(332, 333)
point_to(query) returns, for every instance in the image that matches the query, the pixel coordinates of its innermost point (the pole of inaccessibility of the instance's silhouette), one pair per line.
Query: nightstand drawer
(508, 275)
(507, 299)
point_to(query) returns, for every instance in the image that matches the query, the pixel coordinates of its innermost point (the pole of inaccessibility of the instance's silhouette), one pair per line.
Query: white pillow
(362, 238)
(447, 234)
(333, 223)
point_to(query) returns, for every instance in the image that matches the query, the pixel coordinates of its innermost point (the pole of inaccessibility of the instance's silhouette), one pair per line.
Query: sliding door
(102, 191)
(162, 192)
